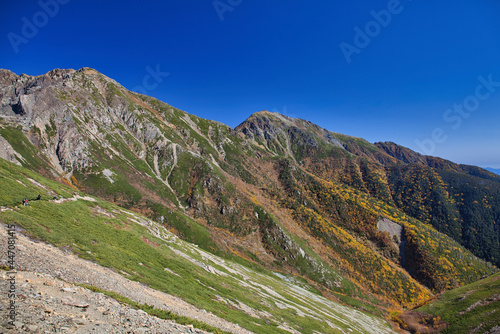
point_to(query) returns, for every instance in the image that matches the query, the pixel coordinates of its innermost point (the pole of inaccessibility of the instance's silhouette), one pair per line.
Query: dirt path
(48, 260)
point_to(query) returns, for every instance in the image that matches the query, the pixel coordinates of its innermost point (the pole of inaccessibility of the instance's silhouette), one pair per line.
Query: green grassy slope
(474, 308)
(258, 300)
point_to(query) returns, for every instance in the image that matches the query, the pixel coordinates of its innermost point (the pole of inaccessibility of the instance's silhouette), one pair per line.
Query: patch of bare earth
(419, 322)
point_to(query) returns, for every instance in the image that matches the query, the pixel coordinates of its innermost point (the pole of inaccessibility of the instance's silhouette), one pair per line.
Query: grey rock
(74, 302)
(32, 328)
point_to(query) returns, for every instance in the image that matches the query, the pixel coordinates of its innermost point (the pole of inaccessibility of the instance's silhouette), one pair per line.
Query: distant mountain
(376, 223)
(494, 170)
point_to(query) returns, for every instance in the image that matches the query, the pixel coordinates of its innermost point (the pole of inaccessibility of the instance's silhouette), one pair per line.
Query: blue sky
(381, 70)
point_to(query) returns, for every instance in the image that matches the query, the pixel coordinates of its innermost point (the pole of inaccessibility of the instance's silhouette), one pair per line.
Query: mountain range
(377, 227)
(494, 170)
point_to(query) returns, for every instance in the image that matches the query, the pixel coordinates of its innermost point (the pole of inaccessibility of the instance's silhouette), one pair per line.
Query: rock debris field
(48, 305)
(48, 302)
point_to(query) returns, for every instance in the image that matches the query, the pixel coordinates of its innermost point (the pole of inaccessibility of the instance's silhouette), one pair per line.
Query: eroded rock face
(80, 123)
(65, 112)
(73, 116)
(35, 104)
(8, 153)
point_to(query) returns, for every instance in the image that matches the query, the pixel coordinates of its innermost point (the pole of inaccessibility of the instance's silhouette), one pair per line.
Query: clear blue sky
(245, 56)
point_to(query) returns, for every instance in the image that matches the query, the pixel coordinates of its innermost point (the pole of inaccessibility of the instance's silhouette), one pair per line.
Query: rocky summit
(275, 226)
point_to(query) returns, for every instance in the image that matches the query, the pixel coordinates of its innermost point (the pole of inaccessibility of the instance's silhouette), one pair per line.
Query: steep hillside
(470, 309)
(459, 200)
(331, 156)
(375, 226)
(140, 250)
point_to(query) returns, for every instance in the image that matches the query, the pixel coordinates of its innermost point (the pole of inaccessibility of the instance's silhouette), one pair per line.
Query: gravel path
(49, 305)
(41, 258)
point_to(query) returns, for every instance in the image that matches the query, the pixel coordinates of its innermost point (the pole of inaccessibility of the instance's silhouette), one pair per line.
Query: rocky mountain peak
(59, 74)
(53, 108)
(7, 77)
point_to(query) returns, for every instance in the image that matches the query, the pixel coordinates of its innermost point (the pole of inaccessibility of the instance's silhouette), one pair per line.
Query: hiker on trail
(39, 197)
(25, 202)
(55, 197)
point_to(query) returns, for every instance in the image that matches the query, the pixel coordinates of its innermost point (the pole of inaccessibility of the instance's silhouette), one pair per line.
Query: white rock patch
(108, 174)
